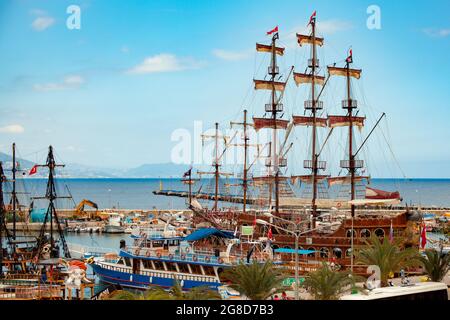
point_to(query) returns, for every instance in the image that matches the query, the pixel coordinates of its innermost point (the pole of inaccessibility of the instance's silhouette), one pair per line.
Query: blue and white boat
(195, 260)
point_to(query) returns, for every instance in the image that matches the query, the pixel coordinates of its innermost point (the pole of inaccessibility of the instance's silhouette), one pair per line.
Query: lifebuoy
(158, 254)
(194, 258)
(136, 252)
(338, 205)
(183, 257)
(148, 253)
(220, 260)
(170, 256)
(187, 249)
(207, 259)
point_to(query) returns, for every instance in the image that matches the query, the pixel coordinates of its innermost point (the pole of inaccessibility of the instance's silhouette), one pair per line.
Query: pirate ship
(330, 228)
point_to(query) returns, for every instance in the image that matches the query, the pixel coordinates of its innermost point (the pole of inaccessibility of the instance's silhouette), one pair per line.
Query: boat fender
(183, 257)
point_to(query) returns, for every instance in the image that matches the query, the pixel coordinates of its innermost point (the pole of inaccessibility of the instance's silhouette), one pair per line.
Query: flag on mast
(423, 236)
(312, 19)
(269, 234)
(272, 31)
(33, 170)
(350, 56)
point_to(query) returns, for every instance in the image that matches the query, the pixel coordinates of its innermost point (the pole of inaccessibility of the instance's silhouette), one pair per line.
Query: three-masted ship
(328, 229)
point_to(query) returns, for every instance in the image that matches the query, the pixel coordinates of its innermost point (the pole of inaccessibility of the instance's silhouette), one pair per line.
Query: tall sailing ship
(328, 228)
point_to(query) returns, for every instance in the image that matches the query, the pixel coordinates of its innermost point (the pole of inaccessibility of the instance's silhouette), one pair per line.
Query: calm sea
(137, 193)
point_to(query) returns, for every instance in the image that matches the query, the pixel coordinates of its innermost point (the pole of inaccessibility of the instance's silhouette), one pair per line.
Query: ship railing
(204, 256)
(30, 293)
(95, 251)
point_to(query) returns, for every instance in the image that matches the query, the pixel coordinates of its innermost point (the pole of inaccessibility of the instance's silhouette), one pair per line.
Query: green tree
(327, 284)
(387, 255)
(436, 264)
(256, 281)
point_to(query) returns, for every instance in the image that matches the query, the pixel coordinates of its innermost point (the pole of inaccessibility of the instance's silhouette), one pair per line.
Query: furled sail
(308, 121)
(302, 39)
(336, 71)
(345, 179)
(268, 48)
(372, 193)
(267, 179)
(268, 85)
(341, 121)
(302, 78)
(308, 178)
(260, 123)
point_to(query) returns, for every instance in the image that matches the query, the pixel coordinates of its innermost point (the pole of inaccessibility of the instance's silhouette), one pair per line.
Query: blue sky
(111, 93)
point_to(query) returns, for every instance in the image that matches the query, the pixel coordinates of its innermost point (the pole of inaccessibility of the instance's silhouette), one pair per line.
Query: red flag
(33, 170)
(254, 222)
(269, 234)
(273, 30)
(350, 57)
(423, 236)
(312, 19)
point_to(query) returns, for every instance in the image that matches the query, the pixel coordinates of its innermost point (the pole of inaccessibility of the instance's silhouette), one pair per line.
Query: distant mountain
(157, 170)
(73, 170)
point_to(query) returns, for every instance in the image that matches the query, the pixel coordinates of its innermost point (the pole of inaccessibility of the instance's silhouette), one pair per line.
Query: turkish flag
(269, 234)
(33, 170)
(312, 19)
(273, 30)
(423, 236)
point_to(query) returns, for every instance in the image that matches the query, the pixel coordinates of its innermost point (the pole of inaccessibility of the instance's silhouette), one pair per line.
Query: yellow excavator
(79, 209)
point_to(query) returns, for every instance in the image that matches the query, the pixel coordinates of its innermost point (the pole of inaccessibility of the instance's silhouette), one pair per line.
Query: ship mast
(349, 120)
(14, 196)
(244, 124)
(216, 163)
(274, 107)
(313, 105)
(2, 218)
(51, 214)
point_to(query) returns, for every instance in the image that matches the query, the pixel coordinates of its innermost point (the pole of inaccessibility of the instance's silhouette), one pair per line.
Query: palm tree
(256, 281)
(436, 264)
(326, 284)
(175, 293)
(387, 256)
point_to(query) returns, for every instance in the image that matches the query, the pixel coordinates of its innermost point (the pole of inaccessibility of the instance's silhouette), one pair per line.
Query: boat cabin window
(196, 269)
(183, 267)
(120, 261)
(365, 233)
(171, 266)
(379, 232)
(158, 265)
(348, 253)
(324, 252)
(209, 271)
(147, 264)
(337, 253)
(349, 233)
(127, 261)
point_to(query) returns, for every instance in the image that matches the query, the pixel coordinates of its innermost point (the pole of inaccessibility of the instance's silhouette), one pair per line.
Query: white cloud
(42, 23)
(164, 62)
(231, 55)
(438, 33)
(13, 128)
(69, 82)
